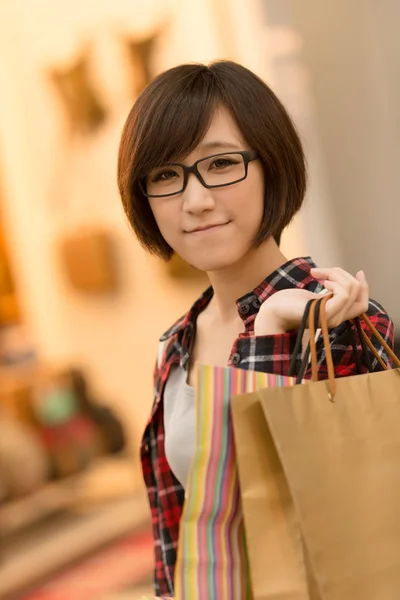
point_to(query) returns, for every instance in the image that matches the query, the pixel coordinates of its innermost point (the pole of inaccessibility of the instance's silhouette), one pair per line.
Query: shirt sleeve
(273, 353)
(266, 354)
(342, 349)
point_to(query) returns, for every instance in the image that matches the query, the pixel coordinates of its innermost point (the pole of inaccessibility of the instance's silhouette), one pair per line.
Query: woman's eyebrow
(218, 144)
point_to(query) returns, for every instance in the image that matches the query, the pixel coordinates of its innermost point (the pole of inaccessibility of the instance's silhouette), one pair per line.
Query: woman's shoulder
(174, 329)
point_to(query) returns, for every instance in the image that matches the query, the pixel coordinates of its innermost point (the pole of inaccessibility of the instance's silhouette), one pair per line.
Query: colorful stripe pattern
(212, 558)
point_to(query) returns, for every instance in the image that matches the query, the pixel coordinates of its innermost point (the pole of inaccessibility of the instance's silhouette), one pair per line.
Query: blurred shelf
(69, 539)
(109, 478)
(49, 499)
(18, 377)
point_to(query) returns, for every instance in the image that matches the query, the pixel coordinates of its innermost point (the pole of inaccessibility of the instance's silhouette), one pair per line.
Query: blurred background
(82, 306)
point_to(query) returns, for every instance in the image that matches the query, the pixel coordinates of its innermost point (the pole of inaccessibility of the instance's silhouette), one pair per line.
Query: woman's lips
(207, 228)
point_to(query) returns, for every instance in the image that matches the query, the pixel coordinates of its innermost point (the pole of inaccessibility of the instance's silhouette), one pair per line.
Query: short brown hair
(172, 115)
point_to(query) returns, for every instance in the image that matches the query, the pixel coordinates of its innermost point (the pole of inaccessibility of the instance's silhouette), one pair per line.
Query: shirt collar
(293, 274)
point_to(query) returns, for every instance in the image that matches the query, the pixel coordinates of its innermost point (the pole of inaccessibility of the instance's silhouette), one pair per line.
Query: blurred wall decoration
(179, 269)
(82, 105)
(141, 56)
(9, 307)
(89, 261)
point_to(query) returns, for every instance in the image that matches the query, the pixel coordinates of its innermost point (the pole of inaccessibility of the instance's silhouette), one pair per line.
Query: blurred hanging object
(9, 308)
(140, 56)
(83, 108)
(177, 268)
(88, 261)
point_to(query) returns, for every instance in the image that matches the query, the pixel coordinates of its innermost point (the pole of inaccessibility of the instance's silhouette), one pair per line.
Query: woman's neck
(239, 279)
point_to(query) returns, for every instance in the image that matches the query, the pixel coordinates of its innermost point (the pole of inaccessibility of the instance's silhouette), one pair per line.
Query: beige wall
(352, 52)
(274, 52)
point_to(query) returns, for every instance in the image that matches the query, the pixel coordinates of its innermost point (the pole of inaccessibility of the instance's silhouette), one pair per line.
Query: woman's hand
(284, 310)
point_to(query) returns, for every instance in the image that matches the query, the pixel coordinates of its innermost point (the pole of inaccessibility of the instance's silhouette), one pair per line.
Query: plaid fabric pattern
(268, 354)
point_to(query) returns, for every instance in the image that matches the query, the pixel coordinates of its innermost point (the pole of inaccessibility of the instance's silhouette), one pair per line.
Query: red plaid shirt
(269, 354)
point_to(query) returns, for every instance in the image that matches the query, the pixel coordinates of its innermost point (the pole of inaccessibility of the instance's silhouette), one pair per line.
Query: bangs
(176, 122)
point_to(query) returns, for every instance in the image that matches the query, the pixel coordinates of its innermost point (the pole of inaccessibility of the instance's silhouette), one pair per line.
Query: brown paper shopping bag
(331, 492)
(273, 534)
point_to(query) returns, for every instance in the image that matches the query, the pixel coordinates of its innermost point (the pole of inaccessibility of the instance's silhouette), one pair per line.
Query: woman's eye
(221, 163)
(164, 176)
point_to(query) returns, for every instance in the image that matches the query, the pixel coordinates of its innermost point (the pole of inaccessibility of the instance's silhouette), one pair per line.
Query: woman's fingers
(350, 294)
(344, 286)
(349, 283)
(337, 307)
(363, 297)
(360, 275)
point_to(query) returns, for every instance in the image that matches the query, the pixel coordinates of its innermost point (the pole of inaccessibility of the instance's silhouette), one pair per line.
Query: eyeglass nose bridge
(193, 169)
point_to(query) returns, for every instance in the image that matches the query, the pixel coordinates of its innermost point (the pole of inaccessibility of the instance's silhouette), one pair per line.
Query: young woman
(211, 167)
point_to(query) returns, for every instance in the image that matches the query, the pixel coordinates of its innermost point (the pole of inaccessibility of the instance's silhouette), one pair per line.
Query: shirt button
(236, 358)
(244, 309)
(256, 303)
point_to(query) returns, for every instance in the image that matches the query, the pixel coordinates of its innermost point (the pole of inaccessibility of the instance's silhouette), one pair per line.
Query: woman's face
(213, 229)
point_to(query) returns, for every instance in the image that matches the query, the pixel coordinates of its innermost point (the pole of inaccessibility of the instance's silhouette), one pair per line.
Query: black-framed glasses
(217, 170)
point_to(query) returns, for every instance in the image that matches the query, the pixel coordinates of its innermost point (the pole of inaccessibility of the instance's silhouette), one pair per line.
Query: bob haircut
(171, 117)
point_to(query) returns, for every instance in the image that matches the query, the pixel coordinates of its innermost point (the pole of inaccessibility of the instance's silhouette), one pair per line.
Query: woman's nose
(196, 197)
